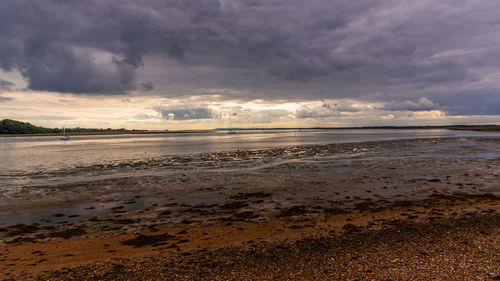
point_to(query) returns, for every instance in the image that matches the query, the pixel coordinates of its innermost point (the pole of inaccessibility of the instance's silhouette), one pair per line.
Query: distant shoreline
(448, 127)
(479, 128)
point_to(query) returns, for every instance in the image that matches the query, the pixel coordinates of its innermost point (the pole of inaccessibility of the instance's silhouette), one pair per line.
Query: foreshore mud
(395, 210)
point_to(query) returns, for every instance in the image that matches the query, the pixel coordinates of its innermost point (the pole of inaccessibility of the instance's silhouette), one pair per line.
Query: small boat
(64, 136)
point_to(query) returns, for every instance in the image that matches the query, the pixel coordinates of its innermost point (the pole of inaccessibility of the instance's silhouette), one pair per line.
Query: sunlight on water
(32, 154)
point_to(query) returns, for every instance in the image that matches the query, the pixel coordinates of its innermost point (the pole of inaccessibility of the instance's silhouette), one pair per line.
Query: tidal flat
(400, 209)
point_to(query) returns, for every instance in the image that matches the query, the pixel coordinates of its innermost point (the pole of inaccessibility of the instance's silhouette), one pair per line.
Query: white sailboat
(64, 136)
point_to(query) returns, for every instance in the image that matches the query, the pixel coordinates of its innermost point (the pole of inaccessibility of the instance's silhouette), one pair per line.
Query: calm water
(89, 174)
(27, 155)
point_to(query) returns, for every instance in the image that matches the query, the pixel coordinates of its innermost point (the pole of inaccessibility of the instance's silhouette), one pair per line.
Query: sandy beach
(424, 209)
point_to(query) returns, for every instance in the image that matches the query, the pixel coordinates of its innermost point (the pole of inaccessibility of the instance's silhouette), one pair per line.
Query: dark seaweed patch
(147, 240)
(67, 233)
(233, 205)
(293, 211)
(251, 195)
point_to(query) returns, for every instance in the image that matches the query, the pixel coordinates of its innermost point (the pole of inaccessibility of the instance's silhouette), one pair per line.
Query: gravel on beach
(463, 248)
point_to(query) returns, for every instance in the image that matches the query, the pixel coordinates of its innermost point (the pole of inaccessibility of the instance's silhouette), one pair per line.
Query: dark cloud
(179, 114)
(315, 112)
(78, 73)
(147, 86)
(277, 49)
(486, 102)
(92, 47)
(299, 69)
(5, 85)
(422, 104)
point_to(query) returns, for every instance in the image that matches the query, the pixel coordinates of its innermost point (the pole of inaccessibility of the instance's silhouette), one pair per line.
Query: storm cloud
(423, 104)
(410, 55)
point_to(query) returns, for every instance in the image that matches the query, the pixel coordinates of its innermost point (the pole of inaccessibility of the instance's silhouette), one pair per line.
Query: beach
(422, 209)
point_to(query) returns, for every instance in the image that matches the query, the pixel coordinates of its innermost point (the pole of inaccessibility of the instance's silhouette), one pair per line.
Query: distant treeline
(83, 130)
(477, 127)
(8, 126)
(13, 127)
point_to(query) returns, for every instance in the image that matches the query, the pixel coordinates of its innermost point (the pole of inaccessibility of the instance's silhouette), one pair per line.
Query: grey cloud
(73, 73)
(277, 49)
(314, 112)
(267, 36)
(75, 47)
(147, 86)
(180, 114)
(486, 102)
(5, 85)
(420, 105)
(323, 111)
(339, 107)
(299, 69)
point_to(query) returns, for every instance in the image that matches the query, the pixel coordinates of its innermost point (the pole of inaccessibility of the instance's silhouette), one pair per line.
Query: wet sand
(429, 211)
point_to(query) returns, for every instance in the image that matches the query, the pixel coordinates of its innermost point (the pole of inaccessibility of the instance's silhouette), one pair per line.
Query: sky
(190, 64)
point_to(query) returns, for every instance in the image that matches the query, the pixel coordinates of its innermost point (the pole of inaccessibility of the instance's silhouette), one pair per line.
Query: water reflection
(31, 154)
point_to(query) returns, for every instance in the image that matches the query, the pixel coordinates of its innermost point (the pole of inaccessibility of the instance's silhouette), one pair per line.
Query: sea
(38, 155)
(46, 170)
